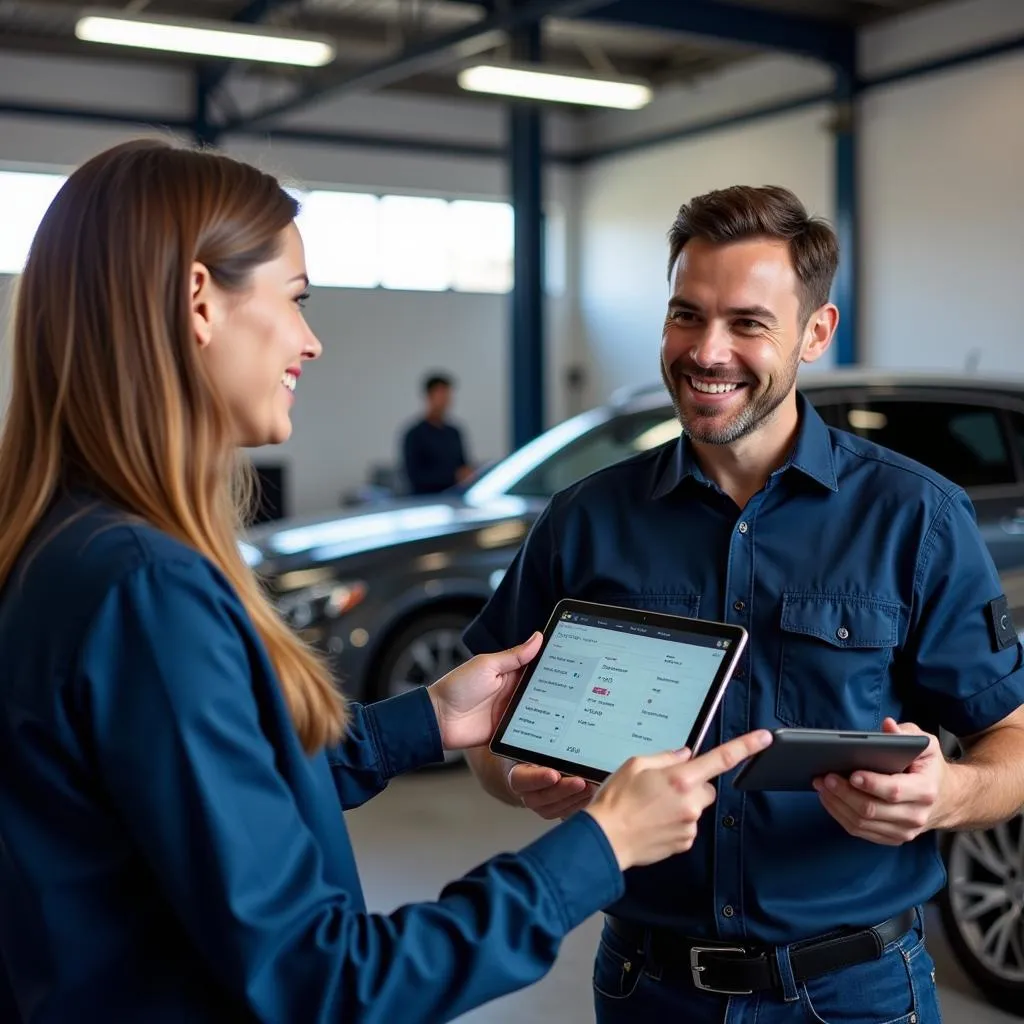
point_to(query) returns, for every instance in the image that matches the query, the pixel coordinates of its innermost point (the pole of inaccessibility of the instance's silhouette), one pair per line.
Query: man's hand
(547, 793)
(892, 809)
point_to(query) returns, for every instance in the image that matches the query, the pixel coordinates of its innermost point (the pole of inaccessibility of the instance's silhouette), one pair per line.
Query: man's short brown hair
(743, 212)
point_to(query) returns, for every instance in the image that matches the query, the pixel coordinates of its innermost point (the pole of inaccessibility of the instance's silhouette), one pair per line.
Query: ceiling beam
(739, 23)
(736, 22)
(251, 14)
(210, 76)
(484, 34)
(159, 122)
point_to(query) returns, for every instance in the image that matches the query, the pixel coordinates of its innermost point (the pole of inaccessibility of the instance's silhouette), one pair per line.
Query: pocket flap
(843, 620)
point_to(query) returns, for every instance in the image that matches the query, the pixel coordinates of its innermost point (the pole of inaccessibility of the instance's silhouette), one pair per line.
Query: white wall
(628, 203)
(377, 344)
(377, 347)
(941, 199)
(6, 312)
(942, 194)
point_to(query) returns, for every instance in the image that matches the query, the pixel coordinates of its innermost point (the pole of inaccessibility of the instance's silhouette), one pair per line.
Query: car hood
(328, 537)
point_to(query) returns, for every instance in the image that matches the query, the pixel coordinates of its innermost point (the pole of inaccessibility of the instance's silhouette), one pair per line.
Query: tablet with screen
(612, 682)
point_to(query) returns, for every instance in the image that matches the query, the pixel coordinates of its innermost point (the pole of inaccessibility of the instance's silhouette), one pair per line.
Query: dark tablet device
(799, 756)
(611, 682)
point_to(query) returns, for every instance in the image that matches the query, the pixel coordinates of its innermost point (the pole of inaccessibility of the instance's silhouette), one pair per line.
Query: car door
(967, 437)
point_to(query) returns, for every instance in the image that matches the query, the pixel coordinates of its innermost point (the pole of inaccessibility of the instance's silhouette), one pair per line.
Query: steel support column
(204, 129)
(526, 180)
(845, 292)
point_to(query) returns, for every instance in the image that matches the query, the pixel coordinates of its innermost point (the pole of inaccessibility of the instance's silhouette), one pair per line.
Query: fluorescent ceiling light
(534, 82)
(205, 38)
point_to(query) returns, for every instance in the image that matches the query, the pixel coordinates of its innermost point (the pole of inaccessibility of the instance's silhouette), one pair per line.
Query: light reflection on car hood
(328, 537)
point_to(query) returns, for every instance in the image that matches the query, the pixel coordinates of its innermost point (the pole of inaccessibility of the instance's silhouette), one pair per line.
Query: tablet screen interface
(606, 689)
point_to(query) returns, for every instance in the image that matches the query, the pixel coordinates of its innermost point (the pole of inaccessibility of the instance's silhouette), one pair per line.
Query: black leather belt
(739, 970)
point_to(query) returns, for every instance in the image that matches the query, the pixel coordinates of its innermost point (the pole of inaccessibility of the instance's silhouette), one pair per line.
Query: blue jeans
(897, 988)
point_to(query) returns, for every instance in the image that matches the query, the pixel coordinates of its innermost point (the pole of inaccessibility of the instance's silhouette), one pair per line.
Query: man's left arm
(986, 786)
(967, 666)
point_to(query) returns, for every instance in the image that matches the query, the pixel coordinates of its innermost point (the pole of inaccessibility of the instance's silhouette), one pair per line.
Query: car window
(965, 443)
(610, 442)
(1017, 432)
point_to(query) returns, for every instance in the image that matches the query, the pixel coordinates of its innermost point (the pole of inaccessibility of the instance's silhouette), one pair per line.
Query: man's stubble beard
(756, 409)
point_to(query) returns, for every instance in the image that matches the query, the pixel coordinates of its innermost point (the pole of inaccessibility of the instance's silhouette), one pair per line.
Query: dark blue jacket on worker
(432, 454)
(171, 854)
(867, 591)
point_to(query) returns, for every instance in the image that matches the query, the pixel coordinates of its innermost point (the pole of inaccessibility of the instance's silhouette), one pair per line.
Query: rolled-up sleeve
(970, 680)
(166, 677)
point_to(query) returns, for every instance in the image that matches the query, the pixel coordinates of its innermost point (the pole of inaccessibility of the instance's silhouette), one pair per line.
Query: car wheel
(423, 651)
(982, 907)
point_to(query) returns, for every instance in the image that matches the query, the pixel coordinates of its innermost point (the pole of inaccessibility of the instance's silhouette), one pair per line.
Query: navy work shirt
(171, 854)
(864, 584)
(431, 454)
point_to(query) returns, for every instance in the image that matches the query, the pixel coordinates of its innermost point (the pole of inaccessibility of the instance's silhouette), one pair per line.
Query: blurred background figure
(433, 451)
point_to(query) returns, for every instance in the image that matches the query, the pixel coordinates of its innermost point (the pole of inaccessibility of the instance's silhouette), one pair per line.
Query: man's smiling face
(733, 336)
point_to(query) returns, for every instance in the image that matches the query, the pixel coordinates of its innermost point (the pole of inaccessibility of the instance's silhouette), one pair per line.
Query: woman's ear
(204, 299)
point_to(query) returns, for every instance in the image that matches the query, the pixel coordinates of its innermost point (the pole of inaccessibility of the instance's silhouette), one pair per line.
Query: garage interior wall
(378, 344)
(942, 181)
(941, 196)
(628, 201)
(942, 223)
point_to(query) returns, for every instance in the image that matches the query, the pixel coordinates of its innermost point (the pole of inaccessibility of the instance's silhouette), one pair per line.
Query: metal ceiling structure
(418, 46)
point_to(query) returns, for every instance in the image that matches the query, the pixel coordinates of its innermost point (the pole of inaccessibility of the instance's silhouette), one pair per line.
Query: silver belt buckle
(696, 969)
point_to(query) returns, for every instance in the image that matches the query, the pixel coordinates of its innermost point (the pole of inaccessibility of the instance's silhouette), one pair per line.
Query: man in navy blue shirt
(871, 603)
(433, 452)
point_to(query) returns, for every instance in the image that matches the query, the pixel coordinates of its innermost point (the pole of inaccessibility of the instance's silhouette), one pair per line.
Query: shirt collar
(812, 455)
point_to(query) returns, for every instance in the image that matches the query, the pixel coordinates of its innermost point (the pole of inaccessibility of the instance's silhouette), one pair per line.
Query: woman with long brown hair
(173, 760)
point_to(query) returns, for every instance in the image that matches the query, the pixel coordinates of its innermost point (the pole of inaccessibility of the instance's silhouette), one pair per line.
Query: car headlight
(328, 600)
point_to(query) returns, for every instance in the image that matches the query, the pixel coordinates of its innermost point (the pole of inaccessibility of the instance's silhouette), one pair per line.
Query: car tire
(419, 653)
(985, 892)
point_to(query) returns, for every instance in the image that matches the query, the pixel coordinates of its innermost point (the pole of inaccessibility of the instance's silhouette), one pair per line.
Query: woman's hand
(650, 808)
(469, 700)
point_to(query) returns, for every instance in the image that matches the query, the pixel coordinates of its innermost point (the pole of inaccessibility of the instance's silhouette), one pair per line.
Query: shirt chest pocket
(834, 657)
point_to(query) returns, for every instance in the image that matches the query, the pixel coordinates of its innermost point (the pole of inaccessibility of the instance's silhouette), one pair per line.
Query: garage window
(354, 239)
(965, 443)
(324, 218)
(24, 198)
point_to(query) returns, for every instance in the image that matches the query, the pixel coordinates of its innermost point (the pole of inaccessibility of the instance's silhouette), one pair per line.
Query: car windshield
(572, 450)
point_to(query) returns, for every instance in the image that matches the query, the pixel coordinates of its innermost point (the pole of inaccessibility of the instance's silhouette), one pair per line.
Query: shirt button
(742, 527)
(729, 821)
(727, 911)
(738, 605)
(843, 633)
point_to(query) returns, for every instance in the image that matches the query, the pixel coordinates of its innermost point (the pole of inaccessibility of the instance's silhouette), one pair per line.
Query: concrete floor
(427, 829)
